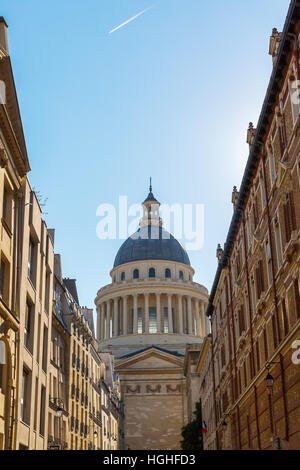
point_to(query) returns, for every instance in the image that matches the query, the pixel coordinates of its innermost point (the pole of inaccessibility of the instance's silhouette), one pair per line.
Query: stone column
(180, 318)
(190, 318)
(146, 313)
(158, 316)
(135, 314)
(107, 319)
(206, 319)
(197, 317)
(125, 315)
(115, 318)
(102, 316)
(170, 316)
(203, 319)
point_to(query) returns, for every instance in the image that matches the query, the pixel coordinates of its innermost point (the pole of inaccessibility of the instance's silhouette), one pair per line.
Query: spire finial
(150, 188)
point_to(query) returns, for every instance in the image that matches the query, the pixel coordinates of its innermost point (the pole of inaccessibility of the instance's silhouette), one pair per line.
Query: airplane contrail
(130, 19)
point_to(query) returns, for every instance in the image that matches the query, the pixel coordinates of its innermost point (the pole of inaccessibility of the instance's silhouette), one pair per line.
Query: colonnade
(147, 312)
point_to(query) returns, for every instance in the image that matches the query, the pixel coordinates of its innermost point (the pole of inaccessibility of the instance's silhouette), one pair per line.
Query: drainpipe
(214, 384)
(234, 343)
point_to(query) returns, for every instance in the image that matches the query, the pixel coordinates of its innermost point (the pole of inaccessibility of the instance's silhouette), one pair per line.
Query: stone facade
(255, 300)
(154, 391)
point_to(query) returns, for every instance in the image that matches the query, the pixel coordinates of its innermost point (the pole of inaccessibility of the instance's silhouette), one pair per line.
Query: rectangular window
(272, 165)
(140, 321)
(295, 103)
(262, 191)
(242, 326)
(282, 135)
(255, 214)
(25, 397)
(152, 320)
(45, 349)
(7, 205)
(43, 410)
(28, 327)
(297, 298)
(47, 291)
(166, 320)
(249, 234)
(278, 243)
(253, 295)
(260, 279)
(31, 261)
(289, 216)
(2, 278)
(269, 262)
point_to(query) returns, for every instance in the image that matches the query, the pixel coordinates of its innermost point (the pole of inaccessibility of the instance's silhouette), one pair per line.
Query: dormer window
(151, 272)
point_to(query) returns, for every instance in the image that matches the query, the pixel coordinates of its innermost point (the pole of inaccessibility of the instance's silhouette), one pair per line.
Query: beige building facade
(14, 166)
(146, 316)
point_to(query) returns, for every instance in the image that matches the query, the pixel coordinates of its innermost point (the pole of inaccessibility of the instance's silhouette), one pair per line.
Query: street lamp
(59, 412)
(95, 434)
(269, 382)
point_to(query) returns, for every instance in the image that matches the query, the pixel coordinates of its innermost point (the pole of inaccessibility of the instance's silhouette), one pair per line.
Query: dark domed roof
(151, 243)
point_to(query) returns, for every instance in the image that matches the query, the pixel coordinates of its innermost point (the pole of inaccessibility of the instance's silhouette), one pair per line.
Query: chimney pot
(3, 35)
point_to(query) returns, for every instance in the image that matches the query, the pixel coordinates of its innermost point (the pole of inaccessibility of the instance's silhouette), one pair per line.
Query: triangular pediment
(150, 359)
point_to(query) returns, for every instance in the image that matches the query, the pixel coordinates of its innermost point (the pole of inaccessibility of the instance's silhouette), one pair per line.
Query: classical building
(146, 316)
(255, 302)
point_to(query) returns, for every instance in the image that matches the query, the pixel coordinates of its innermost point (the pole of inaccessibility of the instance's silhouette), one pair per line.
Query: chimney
(235, 196)
(3, 35)
(219, 252)
(51, 233)
(274, 44)
(250, 134)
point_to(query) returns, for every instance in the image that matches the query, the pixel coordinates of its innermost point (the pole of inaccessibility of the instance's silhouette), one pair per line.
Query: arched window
(180, 275)
(167, 273)
(136, 274)
(151, 272)
(123, 276)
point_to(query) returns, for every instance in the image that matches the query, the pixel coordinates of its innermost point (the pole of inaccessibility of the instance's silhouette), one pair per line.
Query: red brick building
(255, 302)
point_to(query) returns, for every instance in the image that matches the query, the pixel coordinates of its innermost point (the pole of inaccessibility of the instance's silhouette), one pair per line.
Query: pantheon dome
(147, 317)
(152, 298)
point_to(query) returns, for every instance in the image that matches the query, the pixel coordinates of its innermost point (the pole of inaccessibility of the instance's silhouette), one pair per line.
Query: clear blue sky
(168, 95)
